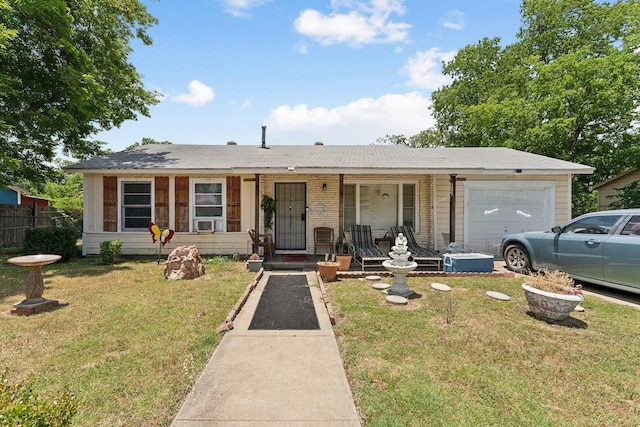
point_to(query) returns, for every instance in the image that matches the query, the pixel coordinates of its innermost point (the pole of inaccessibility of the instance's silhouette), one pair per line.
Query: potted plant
(328, 269)
(552, 295)
(268, 206)
(342, 254)
(254, 263)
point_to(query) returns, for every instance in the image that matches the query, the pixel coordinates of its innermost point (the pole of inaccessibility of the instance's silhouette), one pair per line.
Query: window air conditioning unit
(205, 226)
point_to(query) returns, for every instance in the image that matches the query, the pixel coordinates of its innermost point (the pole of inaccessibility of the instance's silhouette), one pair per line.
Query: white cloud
(241, 8)
(362, 22)
(360, 122)
(242, 105)
(425, 69)
(455, 20)
(199, 94)
(302, 48)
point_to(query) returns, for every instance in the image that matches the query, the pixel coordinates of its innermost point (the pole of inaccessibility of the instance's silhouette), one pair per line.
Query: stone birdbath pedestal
(34, 287)
(400, 266)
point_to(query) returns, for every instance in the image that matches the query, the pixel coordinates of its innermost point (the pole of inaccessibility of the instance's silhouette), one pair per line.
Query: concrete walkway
(273, 378)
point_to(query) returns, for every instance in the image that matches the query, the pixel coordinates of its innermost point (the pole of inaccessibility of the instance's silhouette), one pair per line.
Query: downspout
(340, 213)
(257, 212)
(452, 209)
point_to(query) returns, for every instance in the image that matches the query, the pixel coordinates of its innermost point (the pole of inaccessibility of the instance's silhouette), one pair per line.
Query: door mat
(295, 258)
(286, 303)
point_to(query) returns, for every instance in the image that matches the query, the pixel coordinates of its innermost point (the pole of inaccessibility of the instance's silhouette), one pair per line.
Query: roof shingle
(394, 159)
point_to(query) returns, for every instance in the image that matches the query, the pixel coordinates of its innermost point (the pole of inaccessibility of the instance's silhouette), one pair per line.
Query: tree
(627, 197)
(568, 88)
(426, 138)
(147, 141)
(65, 76)
(5, 34)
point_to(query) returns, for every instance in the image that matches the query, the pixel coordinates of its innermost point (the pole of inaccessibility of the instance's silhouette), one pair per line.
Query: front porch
(280, 262)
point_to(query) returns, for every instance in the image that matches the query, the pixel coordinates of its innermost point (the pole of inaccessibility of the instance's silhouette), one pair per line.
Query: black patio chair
(362, 247)
(423, 256)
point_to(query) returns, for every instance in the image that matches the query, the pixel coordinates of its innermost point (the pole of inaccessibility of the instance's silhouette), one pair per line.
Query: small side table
(34, 287)
(386, 240)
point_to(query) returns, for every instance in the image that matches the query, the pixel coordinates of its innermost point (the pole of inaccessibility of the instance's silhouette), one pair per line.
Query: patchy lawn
(129, 344)
(463, 359)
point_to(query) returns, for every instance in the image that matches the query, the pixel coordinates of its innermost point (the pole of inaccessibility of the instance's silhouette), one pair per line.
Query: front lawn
(464, 359)
(129, 344)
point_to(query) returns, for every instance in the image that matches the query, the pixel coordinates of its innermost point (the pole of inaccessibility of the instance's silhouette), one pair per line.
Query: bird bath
(34, 287)
(400, 266)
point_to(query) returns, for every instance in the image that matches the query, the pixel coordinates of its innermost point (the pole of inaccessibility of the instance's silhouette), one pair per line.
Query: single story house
(608, 189)
(15, 195)
(211, 194)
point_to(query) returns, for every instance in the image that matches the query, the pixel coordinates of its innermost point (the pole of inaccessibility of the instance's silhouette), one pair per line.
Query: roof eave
(336, 171)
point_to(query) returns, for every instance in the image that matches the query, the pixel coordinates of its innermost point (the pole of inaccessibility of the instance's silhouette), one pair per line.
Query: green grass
(129, 344)
(463, 359)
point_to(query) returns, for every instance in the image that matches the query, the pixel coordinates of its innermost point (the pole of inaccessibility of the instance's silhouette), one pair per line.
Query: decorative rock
(381, 286)
(184, 262)
(579, 308)
(498, 295)
(441, 287)
(372, 277)
(397, 299)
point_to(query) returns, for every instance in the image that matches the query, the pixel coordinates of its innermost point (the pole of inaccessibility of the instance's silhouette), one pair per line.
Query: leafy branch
(268, 206)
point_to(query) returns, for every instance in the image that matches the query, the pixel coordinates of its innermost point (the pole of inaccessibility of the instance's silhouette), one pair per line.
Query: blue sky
(339, 71)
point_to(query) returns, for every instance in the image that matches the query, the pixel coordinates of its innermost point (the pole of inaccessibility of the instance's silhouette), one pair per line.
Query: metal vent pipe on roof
(264, 137)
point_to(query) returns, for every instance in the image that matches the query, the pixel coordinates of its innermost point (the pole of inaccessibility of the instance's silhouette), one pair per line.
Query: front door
(290, 218)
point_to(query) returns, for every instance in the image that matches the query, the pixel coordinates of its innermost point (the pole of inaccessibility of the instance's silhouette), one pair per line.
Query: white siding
(140, 243)
(323, 210)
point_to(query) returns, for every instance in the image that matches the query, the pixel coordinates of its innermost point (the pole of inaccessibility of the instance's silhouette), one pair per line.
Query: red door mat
(295, 257)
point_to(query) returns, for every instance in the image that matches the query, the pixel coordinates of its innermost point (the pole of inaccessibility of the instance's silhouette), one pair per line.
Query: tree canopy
(147, 141)
(64, 76)
(568, 88)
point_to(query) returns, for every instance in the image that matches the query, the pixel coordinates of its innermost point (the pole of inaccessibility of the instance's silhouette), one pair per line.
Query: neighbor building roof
(324, 159)
(614, 178)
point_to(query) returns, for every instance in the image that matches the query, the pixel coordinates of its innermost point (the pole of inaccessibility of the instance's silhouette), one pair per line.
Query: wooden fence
(14, 220)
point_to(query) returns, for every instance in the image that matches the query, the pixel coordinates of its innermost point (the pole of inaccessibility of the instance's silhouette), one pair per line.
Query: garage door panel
(493, 209)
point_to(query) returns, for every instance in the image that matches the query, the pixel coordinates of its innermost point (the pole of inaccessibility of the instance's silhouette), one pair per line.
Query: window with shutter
(136, 205)
(208, 205)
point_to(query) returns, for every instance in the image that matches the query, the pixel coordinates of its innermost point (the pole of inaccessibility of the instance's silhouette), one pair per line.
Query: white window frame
(399, 184)
(121, 217)
(220, 221)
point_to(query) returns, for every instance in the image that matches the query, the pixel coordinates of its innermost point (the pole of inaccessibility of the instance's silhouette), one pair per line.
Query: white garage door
(495, 208)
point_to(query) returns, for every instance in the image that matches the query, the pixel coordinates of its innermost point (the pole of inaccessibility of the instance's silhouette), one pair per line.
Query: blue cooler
(472, 263)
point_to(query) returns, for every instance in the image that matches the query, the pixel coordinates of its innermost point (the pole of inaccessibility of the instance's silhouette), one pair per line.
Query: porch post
(340, 212)
(452, 209)
(257, 212)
